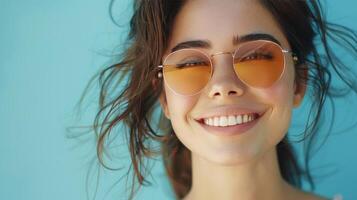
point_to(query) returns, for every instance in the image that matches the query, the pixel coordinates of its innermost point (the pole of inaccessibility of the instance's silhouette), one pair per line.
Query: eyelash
(192, 63)
(256, 55)
(253, 56)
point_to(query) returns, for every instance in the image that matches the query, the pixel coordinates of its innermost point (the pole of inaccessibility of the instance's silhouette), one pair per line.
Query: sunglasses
(258, 64)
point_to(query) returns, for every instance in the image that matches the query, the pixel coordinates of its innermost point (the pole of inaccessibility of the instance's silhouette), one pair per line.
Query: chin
(230, 158)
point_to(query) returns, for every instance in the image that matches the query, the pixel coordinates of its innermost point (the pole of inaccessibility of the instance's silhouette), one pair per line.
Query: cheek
(179, 108)
(281, 94)
(280, 99)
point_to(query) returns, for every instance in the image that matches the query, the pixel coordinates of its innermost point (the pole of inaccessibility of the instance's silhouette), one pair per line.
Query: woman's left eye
(256, 56)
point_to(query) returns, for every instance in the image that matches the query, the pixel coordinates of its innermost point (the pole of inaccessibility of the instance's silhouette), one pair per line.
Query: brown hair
(303, 24)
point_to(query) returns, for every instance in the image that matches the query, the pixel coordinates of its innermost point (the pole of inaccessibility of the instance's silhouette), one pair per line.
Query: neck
(260, 179)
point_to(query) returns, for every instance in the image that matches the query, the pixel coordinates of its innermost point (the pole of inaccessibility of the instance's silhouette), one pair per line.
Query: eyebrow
(236, 40)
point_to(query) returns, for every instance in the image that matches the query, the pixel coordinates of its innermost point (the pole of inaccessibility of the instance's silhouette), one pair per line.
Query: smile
(230, 120)
(230, 125)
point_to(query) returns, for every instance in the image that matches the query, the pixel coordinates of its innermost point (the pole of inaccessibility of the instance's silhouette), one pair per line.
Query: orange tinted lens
(187, 71)
(259, 63)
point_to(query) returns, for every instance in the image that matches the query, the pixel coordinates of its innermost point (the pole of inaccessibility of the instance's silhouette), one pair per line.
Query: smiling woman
(227, 75)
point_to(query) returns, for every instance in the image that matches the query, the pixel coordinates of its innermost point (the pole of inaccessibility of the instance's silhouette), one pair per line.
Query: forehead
(220, 21)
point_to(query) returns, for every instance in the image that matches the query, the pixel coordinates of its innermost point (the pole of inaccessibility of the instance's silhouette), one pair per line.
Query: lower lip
(230, 130)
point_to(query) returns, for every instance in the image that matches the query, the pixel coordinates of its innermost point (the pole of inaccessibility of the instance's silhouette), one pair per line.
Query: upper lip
(228, 110)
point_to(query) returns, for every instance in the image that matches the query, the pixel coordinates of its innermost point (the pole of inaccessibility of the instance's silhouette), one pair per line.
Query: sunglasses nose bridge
(225, 69)
(224, 61)
(221, 53)
(224, 81)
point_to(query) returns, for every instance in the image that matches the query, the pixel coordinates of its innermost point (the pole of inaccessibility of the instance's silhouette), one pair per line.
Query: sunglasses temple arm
(295, 58)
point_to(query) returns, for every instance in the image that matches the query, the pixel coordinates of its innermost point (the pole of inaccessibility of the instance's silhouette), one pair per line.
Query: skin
(240, 166)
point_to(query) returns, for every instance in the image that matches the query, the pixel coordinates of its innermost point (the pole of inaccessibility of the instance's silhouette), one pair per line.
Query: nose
(224, 81)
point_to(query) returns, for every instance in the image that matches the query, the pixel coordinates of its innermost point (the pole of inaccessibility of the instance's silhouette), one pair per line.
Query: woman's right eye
(191, 64)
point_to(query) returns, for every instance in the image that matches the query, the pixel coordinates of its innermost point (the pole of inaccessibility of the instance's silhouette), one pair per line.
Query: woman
(227, 75)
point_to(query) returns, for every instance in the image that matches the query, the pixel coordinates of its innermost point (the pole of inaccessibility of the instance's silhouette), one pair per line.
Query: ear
(162, 99)
(300, 88)
(163, 103)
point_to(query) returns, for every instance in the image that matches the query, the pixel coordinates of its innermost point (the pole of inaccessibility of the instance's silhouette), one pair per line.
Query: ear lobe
(300, 89)
(163, 103)
(154, 83)
(162, 98)
(297, 100)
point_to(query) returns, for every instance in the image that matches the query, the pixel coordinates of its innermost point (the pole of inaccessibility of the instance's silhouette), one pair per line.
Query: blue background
(48, 52)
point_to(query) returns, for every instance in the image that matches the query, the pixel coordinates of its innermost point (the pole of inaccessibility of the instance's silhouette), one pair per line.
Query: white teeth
(223, 121)
(239, 119)
(231, 120)
(206, 121)
(216, 121)
(228, 120)
(245, 118)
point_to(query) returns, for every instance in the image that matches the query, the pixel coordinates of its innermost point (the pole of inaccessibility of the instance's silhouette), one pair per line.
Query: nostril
(232, 92)
(229, 93)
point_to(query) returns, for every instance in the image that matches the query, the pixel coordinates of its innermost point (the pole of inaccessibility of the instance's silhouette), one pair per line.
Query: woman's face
(225, 94)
